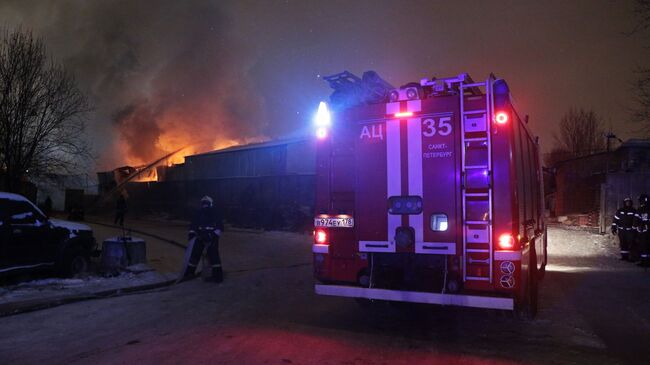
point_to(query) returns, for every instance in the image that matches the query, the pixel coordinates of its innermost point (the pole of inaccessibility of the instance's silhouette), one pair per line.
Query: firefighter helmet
(627, 200)
(206, 201)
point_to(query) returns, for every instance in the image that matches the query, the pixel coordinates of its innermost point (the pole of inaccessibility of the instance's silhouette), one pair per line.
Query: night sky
(160, 73)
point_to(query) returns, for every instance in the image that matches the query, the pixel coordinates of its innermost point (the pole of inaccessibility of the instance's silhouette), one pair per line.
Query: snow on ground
(573, 241)
(574, 249)
(55, 288)
(593, 310)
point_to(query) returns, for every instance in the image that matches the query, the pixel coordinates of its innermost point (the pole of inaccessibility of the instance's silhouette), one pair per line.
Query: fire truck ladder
(476, 157)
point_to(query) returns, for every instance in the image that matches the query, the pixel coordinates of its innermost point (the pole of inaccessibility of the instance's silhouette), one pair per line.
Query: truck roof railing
(447, 84)
(350, 90)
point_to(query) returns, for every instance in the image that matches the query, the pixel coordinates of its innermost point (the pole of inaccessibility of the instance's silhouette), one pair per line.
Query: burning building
(268, 184)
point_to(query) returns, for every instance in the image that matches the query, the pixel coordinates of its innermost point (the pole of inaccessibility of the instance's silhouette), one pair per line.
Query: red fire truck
(428, 193)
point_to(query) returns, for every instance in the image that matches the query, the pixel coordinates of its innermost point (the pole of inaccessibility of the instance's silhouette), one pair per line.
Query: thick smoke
(165, 73)
(161, 74)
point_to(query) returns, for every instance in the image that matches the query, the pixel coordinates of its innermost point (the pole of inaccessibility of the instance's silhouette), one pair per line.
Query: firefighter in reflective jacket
(205, 230)
(624, 225)
(642, 225)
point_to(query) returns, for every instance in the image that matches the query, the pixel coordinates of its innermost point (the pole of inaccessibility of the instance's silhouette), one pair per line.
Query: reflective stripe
(616, 217)
(414, 145)
(319, 248)
(622, 251)
(630, 213)
(507, 255)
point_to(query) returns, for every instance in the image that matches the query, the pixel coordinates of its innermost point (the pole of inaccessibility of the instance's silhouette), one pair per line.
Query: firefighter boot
(217, 274)
(189, 274)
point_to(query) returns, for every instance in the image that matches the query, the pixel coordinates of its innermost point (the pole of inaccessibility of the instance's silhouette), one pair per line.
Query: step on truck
(428, 193)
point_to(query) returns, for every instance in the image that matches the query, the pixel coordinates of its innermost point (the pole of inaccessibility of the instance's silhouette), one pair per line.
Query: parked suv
(29, 240)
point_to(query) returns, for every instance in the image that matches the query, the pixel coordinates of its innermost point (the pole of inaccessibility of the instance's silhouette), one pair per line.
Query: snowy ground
(38, 293)
(594, 310)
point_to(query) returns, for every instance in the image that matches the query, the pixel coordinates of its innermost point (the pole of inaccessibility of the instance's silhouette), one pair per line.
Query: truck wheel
(75, 262)
(542, 269)
(533, 286)
(527, 300)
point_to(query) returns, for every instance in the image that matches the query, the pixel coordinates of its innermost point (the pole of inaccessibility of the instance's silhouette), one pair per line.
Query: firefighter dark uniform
(205, 231)
(642, 224)
(624, 225)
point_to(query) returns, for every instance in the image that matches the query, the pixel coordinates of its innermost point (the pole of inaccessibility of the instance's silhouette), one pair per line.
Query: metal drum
(123, 251)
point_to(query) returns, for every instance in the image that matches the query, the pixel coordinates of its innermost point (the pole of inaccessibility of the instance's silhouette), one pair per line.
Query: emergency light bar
(323, 120)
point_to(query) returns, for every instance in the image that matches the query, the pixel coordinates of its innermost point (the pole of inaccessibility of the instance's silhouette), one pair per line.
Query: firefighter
(624, 225)
(643, 236)
(120, 210)
(205, 230)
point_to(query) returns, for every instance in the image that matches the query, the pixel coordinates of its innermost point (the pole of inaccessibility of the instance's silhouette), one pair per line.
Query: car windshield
(20, 211)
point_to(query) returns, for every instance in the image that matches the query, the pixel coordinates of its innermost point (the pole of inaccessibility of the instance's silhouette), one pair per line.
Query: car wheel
(75, 262)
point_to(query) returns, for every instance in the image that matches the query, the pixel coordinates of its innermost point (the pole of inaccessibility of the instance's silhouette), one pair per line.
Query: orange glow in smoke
(176, 138)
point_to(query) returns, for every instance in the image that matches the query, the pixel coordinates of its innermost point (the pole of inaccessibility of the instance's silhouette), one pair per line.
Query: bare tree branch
(580, 134)
(641, 111)
(42, 113)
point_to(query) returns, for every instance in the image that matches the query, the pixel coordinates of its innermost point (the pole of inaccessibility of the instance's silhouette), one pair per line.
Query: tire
(542, 269)
(533, 287)
(528, 300)
(75, 262)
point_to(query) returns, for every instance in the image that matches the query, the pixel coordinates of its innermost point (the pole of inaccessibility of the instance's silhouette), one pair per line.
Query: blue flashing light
(323, 118)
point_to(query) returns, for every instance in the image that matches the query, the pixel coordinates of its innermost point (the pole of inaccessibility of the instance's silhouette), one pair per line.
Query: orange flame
(172, 140)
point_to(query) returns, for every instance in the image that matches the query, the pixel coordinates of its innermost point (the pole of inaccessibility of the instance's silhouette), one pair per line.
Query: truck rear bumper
(416, 297)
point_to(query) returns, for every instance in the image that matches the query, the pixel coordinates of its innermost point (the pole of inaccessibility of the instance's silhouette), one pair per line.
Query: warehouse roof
(272, 143)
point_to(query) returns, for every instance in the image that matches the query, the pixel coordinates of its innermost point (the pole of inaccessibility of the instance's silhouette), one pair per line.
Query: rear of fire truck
(418, 196)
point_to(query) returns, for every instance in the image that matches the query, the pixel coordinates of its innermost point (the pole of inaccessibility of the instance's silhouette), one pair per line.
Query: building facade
(597, 184)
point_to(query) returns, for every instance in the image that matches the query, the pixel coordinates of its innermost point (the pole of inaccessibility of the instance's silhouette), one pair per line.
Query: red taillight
(506, 242)
(501, 118)
(320, 237)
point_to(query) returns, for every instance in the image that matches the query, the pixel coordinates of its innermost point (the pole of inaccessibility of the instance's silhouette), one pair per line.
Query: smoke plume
(161, 75)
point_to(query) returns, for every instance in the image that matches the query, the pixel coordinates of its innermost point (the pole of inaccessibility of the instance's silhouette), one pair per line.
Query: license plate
(334, 222)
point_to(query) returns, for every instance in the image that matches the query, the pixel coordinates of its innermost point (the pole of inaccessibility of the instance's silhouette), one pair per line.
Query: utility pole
(610, 135)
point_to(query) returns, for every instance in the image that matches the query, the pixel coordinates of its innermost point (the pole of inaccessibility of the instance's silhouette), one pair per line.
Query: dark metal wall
(268, 186)
(617, 187)
(270, 202)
